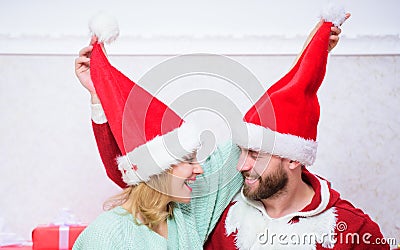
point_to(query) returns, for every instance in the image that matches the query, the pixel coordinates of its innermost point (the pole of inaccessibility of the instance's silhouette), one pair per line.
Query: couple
(163, 206)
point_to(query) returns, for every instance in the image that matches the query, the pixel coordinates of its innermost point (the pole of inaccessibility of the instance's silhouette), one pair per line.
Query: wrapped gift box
(15, 247)
(55, 237)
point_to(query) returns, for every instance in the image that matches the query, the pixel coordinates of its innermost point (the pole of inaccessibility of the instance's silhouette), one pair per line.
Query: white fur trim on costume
(104, 26)
(334, 13)
(157, 155)
(98, 115)
(289, 146)
(255, 230)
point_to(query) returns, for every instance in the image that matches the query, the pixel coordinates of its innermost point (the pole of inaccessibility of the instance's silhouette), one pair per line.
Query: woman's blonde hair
(147, 200)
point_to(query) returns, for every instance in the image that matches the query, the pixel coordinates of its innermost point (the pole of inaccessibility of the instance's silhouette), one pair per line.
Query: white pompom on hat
(105, 27)
(334, 13)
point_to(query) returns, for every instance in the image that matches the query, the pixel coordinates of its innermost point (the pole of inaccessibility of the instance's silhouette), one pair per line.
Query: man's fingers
(334, 38)
(335, 30)
(347, 16)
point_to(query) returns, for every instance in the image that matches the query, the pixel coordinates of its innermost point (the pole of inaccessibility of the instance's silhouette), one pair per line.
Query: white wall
(50, 161)
(48, 154)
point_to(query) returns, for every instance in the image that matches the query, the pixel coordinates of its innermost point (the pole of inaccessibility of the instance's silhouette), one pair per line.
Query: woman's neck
(161, 228)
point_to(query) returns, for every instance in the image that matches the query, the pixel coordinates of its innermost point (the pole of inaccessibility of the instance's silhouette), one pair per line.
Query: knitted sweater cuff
(98, 115)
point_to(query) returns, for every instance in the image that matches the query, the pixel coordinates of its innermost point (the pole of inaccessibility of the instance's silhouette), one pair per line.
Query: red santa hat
(150, 135)
(284, 120)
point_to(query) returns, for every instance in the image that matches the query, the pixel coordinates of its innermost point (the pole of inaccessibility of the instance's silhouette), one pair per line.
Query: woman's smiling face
(184, 174)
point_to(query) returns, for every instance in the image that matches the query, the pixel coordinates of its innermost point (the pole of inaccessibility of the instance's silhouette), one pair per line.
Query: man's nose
(245, 162)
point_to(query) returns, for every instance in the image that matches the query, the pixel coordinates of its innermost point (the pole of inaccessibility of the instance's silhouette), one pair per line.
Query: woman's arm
(213, 191)
(82, 70)
(109, 151)
(105, 140)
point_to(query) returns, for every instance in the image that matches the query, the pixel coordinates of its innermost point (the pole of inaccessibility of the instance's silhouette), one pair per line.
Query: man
(282, 205)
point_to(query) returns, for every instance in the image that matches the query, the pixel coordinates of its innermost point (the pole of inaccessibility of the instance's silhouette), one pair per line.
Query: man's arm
(333, 39)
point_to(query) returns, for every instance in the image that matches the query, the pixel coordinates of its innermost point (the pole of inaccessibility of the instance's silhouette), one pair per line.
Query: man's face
(264, 174)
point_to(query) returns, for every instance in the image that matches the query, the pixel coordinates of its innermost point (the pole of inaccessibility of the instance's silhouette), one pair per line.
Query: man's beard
(268, 186)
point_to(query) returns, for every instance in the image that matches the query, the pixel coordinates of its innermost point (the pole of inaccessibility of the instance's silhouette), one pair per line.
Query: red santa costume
(328, 222)
(283, 122)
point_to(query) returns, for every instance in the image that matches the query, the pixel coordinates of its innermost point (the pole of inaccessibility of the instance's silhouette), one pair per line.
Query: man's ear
(294, 164)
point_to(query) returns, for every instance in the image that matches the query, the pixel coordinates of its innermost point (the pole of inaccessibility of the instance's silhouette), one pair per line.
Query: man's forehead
(255, 151)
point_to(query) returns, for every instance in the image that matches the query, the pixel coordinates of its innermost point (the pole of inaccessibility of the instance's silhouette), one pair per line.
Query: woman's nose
(197, 168)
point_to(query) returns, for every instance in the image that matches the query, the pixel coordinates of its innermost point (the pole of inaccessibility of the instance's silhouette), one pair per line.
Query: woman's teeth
(189, 182)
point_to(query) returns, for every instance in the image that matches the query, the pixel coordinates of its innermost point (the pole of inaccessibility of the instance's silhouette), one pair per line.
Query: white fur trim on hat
(157, 155)
(104, 27)
(289, 146)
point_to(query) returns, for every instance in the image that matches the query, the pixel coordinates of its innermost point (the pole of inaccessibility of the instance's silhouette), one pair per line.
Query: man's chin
(249, 190)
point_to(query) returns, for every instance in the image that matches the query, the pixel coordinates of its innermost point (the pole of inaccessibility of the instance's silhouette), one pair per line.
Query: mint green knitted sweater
(191, 223)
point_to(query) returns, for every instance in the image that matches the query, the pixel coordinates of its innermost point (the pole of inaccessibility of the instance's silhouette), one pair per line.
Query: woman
(158, 212)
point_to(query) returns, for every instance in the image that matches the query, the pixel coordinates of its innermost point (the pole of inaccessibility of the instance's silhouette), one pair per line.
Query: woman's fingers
(86, 51)
(82, 63)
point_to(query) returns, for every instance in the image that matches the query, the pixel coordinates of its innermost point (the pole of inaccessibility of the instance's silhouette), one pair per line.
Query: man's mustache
(250, 175)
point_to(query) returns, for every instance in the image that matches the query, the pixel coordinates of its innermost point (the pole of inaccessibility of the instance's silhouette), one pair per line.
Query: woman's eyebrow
(189, 157)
